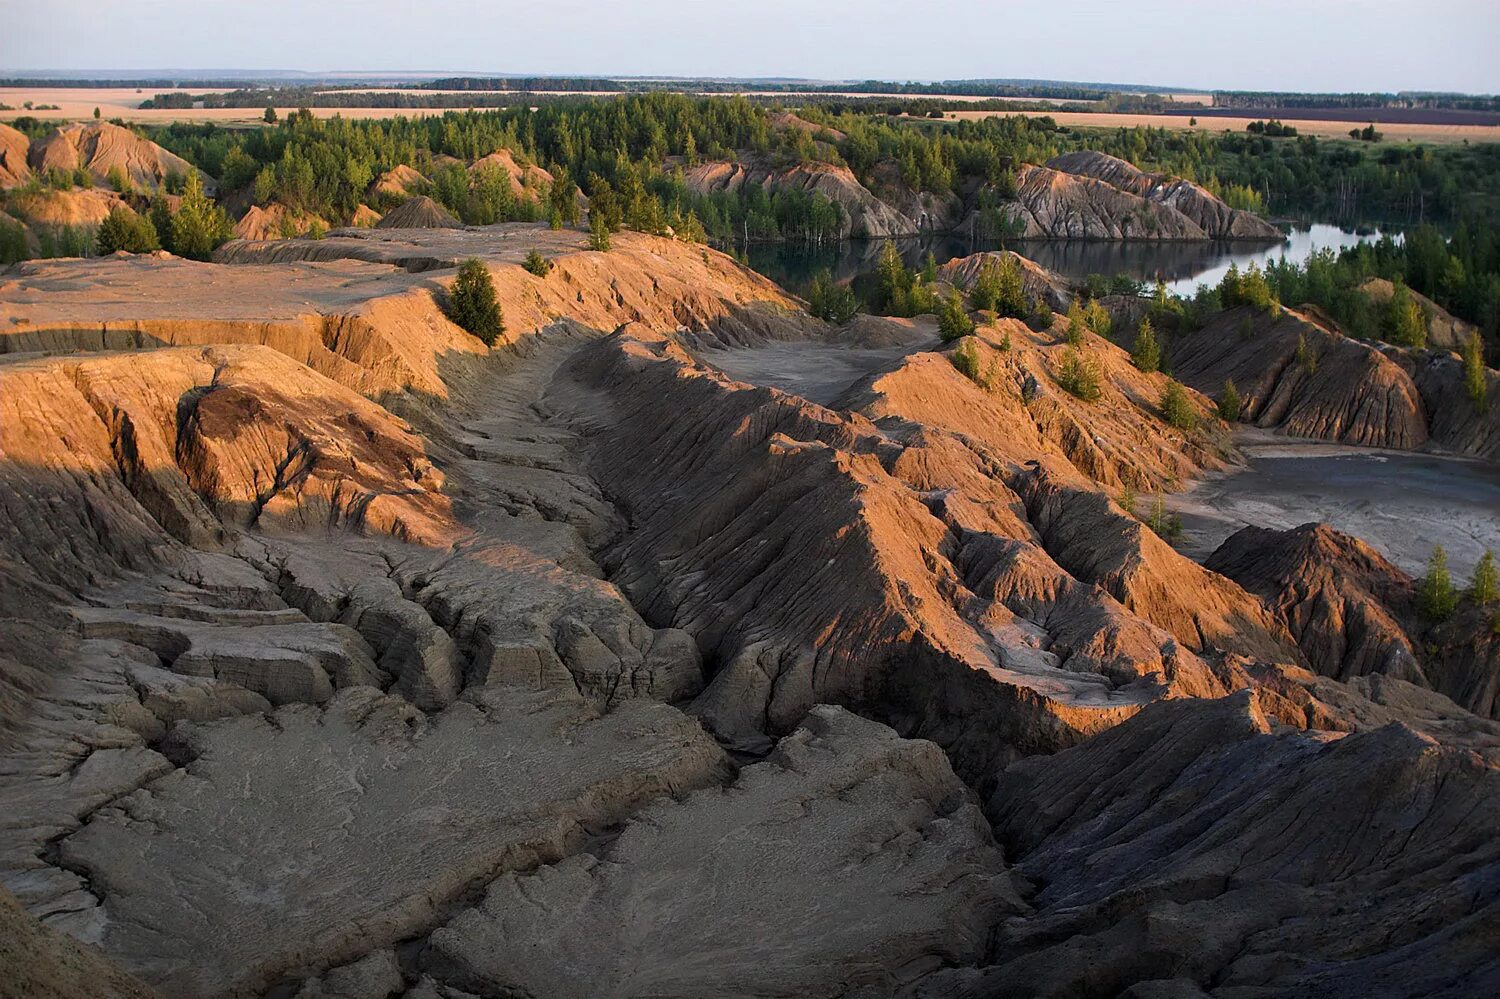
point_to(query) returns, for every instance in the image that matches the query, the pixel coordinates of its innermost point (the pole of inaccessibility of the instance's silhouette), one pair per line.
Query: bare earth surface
(680, 645)
(1402, 504)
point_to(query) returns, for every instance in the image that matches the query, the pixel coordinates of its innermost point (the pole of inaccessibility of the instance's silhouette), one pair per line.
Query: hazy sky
(1248, 44)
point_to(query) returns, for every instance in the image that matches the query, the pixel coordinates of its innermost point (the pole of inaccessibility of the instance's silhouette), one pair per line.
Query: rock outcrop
(1355, 614)
(1445, 331)
(1201, 848)
(1052, 204)
(100, 147)
(304, 697)
(1215, 218)
(850, 818)
(1038, 282)
(1296, 376)
(862, 214)
(1310, 380)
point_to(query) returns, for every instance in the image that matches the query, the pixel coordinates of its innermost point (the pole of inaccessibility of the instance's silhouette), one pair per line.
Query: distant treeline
(417, 100)
(960, 88)
(1431, 101)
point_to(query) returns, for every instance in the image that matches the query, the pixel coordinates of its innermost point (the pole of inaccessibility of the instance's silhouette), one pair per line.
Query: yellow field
(1322, 129)
(124, 102)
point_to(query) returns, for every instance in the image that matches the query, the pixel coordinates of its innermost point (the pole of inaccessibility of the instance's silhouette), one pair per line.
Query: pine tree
(1175, 407)
(953, 320)
(1474, 374)
(124, 230)
(200, 226)
(1229, 402)
(929, 269)
(1146, 354)
(1078, 323)
(473, 303)
(1408, 324)
(598, 232)
(537, 264)
(1435, 595)
(1484, 587)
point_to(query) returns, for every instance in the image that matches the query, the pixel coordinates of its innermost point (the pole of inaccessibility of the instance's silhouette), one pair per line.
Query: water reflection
(1182, 265)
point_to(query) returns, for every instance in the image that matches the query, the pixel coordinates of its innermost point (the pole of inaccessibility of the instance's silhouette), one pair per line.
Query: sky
(1306, 45)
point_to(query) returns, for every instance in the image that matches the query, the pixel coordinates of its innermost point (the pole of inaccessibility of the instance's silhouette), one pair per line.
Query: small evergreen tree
(953, 319)
(473, 303)
(1435, 595)
(537, 264)
(1306, 359)
(124, 230)
(598, 233)
(1484, 587)
(1099, 319)
(829, 300)
(1407, 323)
(1041, 314)
(1175, 407)
(1167, 526)
(1146, 354)
(929, 269)
(161, 220)
(1078, 323)
(984, 294)
(1474, 374)
(270, 116)
(1078, 376)
(200, 226)
(966, 359)
(1229, 402)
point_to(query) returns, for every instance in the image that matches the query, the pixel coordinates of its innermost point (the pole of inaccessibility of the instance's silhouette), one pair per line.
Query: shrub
(119, 180)
(1175, 407)
(1435, 595)
(1128, 499)
(1041, 314)
(953, 319)
(1078, 376)
(1484, 587)
(1306, 359)
(829, 300)
(12, 242)
(1229, 402)
(1099, 319)
(316, 229)
(1167, 526)
(124, 230)
(537, 264)
(1146, 354)
(965, 358)
(1077, 323)
(473, 304)
(1475, 381)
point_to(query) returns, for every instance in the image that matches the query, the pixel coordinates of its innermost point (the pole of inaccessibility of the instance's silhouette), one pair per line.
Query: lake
(1182, 265)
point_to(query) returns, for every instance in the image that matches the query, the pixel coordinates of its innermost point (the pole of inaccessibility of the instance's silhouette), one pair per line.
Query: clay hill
(1081, 195)
(100, 147)
(1304, 376)
(677, 645)
(1173, 196)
